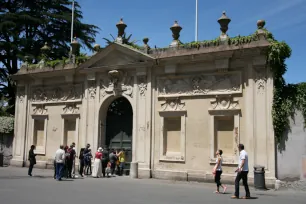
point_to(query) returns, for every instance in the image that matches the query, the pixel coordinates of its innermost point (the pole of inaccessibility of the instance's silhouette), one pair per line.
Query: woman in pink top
(97, 168)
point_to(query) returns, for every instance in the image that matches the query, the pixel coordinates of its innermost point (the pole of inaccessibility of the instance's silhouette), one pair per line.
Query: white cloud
(272, 11)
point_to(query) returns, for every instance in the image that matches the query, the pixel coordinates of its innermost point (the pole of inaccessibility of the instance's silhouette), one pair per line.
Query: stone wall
(6, 142)
(292, 150)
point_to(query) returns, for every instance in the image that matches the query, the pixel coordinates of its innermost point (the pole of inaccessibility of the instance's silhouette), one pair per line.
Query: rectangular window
(39, 133)
(69, 131)
(224, 134)
(172, 136)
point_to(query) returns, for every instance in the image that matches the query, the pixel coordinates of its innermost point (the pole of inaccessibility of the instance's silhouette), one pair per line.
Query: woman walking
(217, 171)
(97, 168)
(32, 159)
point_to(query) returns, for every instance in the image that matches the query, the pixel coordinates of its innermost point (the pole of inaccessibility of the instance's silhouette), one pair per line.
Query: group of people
(242, 172)
(107, 161)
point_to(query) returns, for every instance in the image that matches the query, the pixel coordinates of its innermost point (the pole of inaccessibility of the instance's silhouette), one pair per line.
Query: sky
(286, 19)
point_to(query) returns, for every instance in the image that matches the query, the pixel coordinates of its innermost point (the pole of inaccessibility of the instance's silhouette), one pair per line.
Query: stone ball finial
(96, 47)
(261, 24)
(224, 22)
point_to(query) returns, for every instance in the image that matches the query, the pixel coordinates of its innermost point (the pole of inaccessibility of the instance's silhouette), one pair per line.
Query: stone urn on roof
(224, 22)
(121, 28)
(176, 29)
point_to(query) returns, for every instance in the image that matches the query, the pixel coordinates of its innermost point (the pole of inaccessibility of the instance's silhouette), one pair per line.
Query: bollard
(134, 170)
(259, 178)
(1, 159)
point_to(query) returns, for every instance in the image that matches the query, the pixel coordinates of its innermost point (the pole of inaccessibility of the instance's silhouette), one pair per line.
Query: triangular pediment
(116, 55)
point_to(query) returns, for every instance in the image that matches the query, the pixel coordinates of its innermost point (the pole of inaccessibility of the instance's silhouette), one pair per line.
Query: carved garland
(173, 104)
(71, 109)
(224, 103)
(40, 110)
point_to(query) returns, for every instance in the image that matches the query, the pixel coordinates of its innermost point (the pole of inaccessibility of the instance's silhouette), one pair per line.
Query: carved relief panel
(142, 85)
(60, 93)
(116, 82)
(205, 84)
(21, 94)
(260, 80)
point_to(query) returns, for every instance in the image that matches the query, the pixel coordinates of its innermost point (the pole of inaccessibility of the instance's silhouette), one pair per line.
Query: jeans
(218, 178)
(244, 176)
(59, 171)
(121, 168)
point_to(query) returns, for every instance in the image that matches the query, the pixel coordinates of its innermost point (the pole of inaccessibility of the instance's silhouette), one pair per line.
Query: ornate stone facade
(183, 109)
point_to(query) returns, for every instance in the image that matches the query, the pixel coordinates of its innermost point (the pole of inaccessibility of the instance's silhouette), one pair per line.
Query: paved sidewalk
(17, 187)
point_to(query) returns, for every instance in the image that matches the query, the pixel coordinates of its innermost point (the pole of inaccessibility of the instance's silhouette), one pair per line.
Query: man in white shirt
(242, 173)
(60, 161)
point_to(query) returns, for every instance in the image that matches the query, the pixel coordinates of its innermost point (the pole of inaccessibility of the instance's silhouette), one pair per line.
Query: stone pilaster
(263, 128)
(19, 146)
(249, 115)
(91, 111)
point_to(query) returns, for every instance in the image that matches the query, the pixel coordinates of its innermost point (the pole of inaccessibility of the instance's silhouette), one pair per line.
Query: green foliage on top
(125, 40)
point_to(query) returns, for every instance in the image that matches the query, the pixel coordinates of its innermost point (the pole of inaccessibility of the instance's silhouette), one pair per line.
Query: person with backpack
(70, 156)
(87, 161)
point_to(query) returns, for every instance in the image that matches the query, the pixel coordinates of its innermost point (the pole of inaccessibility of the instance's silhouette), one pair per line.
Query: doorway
(119, 128)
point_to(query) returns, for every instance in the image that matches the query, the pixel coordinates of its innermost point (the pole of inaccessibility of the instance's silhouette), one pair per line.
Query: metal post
(196, 22)
(72, 20)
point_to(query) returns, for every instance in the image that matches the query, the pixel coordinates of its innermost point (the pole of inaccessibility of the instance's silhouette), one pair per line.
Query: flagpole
(196, 22)
(72, 20)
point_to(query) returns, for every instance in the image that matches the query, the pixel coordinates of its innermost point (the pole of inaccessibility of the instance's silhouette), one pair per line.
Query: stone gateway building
(170, 108)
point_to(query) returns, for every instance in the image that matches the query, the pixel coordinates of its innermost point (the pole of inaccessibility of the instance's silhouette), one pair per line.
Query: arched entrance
(118, 128)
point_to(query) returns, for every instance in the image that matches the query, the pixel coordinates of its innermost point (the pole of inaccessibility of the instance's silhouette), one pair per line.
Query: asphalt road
(17, 187)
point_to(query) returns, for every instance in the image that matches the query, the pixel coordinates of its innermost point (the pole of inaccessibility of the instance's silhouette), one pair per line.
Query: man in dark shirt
(70, 160)
(105, 160)
(32, 159)
(113, 160)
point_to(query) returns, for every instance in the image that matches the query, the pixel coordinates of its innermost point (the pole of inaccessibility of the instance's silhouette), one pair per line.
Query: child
(108, 169)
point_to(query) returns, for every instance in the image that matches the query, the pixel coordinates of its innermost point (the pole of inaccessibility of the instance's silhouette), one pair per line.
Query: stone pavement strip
(17, 187)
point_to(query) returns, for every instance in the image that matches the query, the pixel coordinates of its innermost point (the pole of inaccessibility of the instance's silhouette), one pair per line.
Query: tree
(25, 25)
